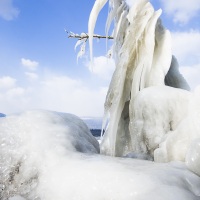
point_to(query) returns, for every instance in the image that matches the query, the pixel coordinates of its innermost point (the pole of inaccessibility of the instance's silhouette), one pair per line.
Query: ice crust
(40, 161)
(32, 142)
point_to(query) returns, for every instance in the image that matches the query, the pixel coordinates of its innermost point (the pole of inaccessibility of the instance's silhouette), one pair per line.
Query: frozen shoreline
(51, 168)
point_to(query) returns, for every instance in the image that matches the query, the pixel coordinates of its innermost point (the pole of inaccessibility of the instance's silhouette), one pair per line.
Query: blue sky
(38, 68)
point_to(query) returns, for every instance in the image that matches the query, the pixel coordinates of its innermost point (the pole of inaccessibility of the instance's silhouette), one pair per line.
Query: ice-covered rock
(174, 78)
(182, 143)
(33, 142)
(193, 156)
(157, 111)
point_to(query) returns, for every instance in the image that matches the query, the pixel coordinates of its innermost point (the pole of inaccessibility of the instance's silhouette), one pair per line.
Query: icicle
(120, 87)
(79, 42)
(82, 49)
(119, 33)
(117, 9)
(145, 55)
(98, 5)
(162, 56)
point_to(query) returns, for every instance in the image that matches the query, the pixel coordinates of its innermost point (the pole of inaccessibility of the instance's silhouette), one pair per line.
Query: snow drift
(33, 142)
(47, 155)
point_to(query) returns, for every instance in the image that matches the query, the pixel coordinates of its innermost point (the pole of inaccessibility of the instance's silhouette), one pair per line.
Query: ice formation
(98, 5)
(152, 116)
(148, 105)
(47, 155)
(31, 142)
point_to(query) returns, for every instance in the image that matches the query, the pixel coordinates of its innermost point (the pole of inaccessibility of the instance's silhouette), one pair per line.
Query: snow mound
(33, 141)
(42, 159)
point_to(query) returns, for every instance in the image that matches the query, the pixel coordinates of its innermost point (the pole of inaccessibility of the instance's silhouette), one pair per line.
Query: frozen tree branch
(86, 36)
(82, 39)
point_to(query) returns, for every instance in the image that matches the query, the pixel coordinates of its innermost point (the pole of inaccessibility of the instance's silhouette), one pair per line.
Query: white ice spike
(98, 5)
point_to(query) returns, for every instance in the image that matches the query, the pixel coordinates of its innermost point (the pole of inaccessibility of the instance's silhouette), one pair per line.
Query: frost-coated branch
(82, 39)
(86, 36)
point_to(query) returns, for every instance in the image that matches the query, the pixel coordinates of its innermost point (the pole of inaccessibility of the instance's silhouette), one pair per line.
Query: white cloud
(182, 11)
(14, 92)
(29, 64)
(186, 49)
(186, 46)
(31, 76)
(7, 82)
(59, 93)
(7, 10)
(102, 67)
(191, 74)
(64, 94)
(12, 96)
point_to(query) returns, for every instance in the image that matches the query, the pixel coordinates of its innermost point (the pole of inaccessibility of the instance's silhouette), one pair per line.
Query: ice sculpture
(148, 98)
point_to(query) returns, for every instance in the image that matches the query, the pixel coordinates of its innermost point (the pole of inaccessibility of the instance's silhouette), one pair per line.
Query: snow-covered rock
(33, 142)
